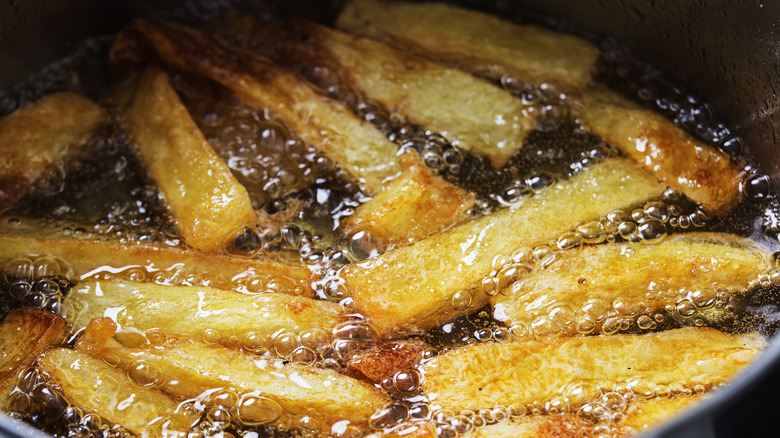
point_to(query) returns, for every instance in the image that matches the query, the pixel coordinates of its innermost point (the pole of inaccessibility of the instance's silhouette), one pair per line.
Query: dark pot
(728, 54)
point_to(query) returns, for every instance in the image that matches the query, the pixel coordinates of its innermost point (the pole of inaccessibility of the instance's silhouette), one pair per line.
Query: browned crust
(37, 137)
(352, 143)
(23, 333)
(700, 171)
(385, 360)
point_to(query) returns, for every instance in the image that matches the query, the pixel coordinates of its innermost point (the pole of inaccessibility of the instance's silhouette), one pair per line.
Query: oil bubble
(461, 300)
(256, 410)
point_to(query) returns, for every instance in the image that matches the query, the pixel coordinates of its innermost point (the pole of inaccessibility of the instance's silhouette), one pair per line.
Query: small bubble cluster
(37, 282)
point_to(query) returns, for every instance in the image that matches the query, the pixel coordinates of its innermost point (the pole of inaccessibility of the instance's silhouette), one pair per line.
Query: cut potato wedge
(701, 172)
(643, 416)
(95, 387)
(270, 393)
(499, 375)
(34, 139)
(209, 204)
(475, 41)
(201, 313)
(353, 144)
(472, 113)
(584, 291)
(81, 259)
(436, 279)
(412, 207)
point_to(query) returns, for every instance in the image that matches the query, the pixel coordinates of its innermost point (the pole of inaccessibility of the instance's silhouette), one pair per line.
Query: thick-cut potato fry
(475, 41)
(202, 313)
(24, 333)
(472, 113)
(616, 280)
(546, 426)
(645, 415)
(411, 208)
(701, 172)
(270, 393)
(37, 137)
(353, 144)
(209, 204)
(436, 279)
(83, 258)
(491, 375)
(95, 387)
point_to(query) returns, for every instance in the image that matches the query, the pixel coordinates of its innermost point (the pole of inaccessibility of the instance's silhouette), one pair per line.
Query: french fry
(492, 374)
(34, 139)
(353, 144)
(436, 279)
(470, 112)
(207, 201)
(416, 429)
(475, 41)
(546, 426)
(701, 172)
(270, 393)
(411, 208)
(85, 258)
(24, 333)
(616, 280)
(202, 313)
(647, 414)
(95, 387)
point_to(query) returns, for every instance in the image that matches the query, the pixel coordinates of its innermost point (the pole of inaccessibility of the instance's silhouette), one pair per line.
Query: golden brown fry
(645, 415)
(84, 258)
(34, 139)
(209, 204)
(411, 208)
(413, 429)
(202, 313)
(600, 285)
(24, 333)
(270, 393)
(95, 387)
(436, 279)
(386, 359)
(472, 113)
(491, 375)
(547, 426)
(353, 144)
(475, 41)
(701, 172)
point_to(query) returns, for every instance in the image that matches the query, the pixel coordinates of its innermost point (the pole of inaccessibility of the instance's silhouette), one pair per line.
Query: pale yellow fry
(412, 207)
(470, 112)
(436, 279)
(209, 204)
(476, 41)
(352, 143)
(95, 387)
(34, 139)
(701, 172)
(83, 258)
(616, 280)
(202, 313)
(270, 392)
(491, 375)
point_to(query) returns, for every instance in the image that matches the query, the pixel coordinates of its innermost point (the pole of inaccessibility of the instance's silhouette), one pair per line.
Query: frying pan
(726, 53)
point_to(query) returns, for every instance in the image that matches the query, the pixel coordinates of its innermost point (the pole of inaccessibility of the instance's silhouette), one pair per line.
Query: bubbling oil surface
(107, 195)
